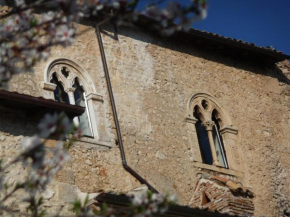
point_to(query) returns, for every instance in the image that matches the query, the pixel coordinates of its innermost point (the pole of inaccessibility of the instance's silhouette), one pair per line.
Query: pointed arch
(198, 99)
(60, 79)
(81, 82)
(75, 70)
(198, 113)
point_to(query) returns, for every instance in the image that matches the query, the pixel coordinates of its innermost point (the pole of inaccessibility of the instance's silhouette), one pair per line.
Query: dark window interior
(59, 93)
(203, 143)
(221, 153)
(65, 72)
(203, 140)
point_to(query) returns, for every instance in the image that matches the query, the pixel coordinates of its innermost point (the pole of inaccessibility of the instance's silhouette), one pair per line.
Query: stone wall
(153, 78)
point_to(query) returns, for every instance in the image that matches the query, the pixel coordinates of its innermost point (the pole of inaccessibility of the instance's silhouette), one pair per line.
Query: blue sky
(263, 22)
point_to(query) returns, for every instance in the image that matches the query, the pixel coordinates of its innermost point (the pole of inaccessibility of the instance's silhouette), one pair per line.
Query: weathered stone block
(66, 192)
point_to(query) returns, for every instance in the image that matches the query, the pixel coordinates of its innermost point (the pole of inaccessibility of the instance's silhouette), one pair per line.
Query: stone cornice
(95, 97)
(229, 129)
(48, 86)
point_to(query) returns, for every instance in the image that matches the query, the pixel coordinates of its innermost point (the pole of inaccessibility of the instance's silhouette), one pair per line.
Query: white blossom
(23, 21)
(172, 10)
(43, 174)
(33, 150)
(19, 2)
(137, 201)
(153, 12)
(65, 34)
(49, 16)
(22, 42)
(66, 126)
(8, 26)
(30, 143)
(172, 198)
(47, 125)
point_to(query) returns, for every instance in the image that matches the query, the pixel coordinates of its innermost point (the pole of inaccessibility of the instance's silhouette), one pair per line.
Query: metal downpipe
(116, 120)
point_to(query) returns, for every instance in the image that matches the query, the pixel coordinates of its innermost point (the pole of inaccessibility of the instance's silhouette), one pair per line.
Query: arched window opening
(218, 141)
(80, 100)
(203, 140)
(66, 81)
(59, 93)
(213, 137)
(210, 141)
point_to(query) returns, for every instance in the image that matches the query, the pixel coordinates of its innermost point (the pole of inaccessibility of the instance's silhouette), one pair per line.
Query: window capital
(70, 89)
(208, 125)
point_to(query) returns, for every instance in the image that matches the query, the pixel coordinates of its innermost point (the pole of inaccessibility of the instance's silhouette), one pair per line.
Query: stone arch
(60, 80)
(76, 71)
(199, 112)
(213, 104)
(81, 82)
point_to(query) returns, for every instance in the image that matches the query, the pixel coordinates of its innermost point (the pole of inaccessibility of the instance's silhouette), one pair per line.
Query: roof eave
(276, 55)
(173, 210)
(23, 100)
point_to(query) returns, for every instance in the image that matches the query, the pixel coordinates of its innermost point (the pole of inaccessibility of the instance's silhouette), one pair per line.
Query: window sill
(219, 169)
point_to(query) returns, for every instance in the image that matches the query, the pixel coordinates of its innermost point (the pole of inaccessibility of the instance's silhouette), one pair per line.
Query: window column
(70, 93)
(209, 126)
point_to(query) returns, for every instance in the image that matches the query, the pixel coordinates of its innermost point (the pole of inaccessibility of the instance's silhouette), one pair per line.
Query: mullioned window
(67, 82)
(212, 136)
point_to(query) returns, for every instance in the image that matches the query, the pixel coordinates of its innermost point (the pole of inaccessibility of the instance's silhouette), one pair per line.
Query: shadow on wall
(232, 57)
(19, 122)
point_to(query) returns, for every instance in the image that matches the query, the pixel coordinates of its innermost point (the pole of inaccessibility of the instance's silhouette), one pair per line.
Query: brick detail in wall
(215, 195)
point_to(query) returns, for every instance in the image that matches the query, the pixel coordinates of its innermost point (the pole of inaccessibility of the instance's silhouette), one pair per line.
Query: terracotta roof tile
(239, 41)
(231, 184)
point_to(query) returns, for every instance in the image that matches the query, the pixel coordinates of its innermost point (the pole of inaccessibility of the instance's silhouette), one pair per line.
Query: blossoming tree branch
(24, 26)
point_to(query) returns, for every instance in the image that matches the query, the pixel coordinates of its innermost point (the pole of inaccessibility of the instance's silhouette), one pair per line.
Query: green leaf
(33, 22)
(104, 207)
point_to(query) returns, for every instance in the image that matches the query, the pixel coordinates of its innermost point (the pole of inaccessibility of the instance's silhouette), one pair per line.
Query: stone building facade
(164, 87)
